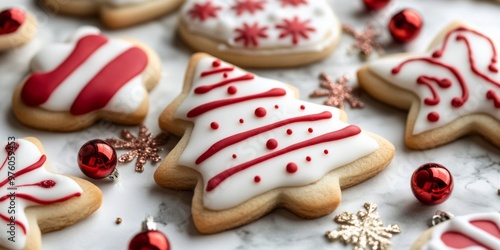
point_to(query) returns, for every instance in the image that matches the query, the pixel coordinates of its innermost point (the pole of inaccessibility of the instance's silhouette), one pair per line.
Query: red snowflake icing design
(204, 11)
(294, 3)
(248, 5)
(250, 34)
(295, 28)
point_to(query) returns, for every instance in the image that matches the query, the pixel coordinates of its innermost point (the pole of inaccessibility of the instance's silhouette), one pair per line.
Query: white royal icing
(26, 155)
(455, 55)
(273, 174)
(461, 224)
(126, 100)
(223, 27)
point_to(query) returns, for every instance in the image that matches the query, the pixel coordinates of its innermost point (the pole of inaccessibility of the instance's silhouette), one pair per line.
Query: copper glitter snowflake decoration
(364, 229)
(337, 92)
(144, 147)
(365, 41)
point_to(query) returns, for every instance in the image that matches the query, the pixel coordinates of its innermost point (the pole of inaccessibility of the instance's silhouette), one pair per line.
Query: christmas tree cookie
(452, 90)
(249, 146)
(35, 200)
(261, 33)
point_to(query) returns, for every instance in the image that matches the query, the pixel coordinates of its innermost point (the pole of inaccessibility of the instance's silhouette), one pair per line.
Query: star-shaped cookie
(35, 200)
(116, 13)
(451, 90)
(249, 146)
(91, 77)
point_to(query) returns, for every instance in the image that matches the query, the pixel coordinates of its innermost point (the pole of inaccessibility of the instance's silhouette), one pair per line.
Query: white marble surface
(474, 163)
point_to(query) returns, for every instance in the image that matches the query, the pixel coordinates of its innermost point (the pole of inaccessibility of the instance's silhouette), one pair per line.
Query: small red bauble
(11, 20)
(97, 159)
(375, 4)
(149, 238)
(405, 25)
(432, 183)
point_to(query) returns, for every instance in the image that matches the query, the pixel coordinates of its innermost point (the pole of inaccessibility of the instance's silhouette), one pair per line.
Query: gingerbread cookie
(91, 77)
(36, 200)
(116, 13)
(473, 231)
(258, 33)
(450, 91)
(17, 27)
(249, 146)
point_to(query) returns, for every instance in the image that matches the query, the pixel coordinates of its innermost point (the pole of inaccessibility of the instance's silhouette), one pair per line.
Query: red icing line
(30, 168)
(457, 101)
(99, 91)
(43, 184)
(425, 80)
(215, 71)
(491, 95)
(459, 240)
(44, 202)
(439, 53)
(207, 88)
(346, 132)
(228, 141)
(18, 223)
(221, 103)
(40, 86)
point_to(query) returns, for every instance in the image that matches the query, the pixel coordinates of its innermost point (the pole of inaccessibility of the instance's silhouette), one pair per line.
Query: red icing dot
(308, 158)
(433, 117)
(276, 106)
(224, 75)
(216, 63)
(291, 167)
(260, 112)
(271, 144)
(302, 107)
(214, 125)
(289, 131)
(242, 121)
(310, 130)
(47, 183)
(234, 156)
(232, 90)
(256, 179)
(325, 151)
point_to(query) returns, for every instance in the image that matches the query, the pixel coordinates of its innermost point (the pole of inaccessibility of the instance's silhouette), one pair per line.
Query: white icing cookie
(116, 13)
(451, 91)
(256, 148)
(90, 77)
(261, 33)
(468, 232)
(35, 200)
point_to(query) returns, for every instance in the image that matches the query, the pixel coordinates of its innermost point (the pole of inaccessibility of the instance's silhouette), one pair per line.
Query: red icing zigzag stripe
(39, 87)
(346, 132)
(221, 103)
(226, 142)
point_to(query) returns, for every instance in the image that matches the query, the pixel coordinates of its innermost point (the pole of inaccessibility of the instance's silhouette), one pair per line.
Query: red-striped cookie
(91, 77)
(249, 146)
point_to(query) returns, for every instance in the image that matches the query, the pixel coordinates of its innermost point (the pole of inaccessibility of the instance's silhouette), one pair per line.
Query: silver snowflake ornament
(364, 230)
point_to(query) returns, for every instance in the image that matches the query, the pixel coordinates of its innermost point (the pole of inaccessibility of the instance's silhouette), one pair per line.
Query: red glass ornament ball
(149, 240)
(97, 159)
(375, 4)
(405, 25)
(11, 20)
(432, 183)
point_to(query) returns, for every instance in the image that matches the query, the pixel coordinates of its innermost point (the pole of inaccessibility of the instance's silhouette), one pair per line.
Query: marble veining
(474, 163)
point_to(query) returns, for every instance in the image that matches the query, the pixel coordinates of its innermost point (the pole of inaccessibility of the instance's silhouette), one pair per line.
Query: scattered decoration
(432, 183)
(118, 220)
(375, 4)
(364, 230)
(365, 41)
(338, 92)
(97, 160)
(11, 20)
(149, 238)
(143, 147)
(405, 25)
